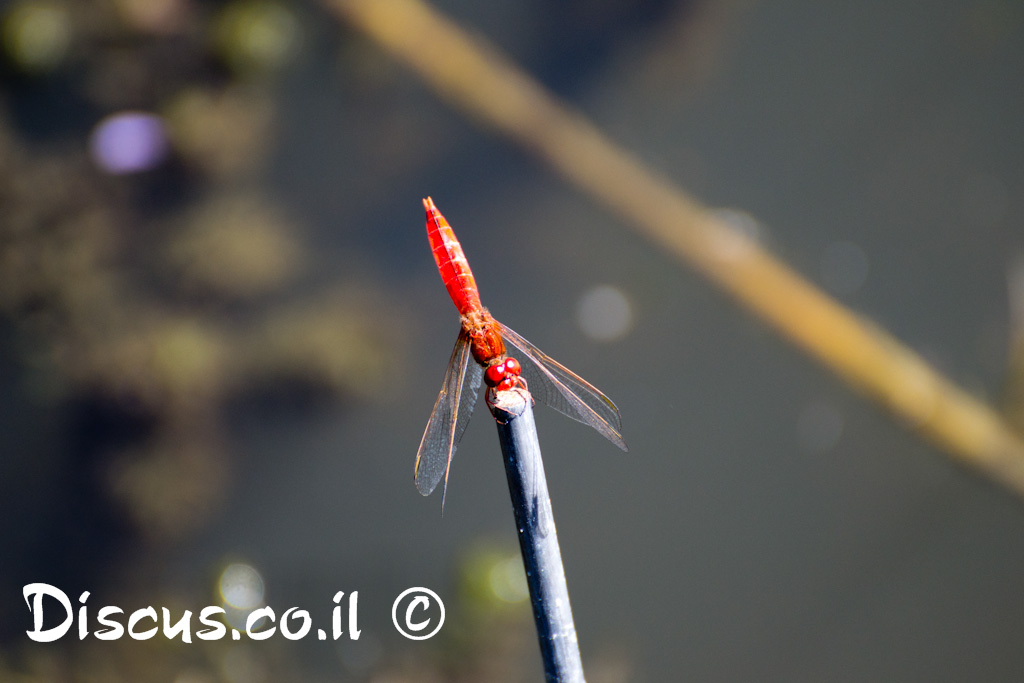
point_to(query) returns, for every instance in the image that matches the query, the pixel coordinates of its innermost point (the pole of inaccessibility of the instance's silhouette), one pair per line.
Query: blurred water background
(223, 332)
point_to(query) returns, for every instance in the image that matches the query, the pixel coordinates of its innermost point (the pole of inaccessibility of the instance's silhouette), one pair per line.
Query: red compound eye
(494, 374)
(503, 375)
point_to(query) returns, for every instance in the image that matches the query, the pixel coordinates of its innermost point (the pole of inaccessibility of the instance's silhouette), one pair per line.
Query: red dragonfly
(484, 338)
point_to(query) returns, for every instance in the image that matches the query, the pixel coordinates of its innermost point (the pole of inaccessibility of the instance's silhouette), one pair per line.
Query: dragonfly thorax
(484, 337)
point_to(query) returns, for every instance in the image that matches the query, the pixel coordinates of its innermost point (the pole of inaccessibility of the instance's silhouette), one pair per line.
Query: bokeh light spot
(155, 16)
(36, 35)
(508, 581)
(257, 35)
(129, 142)
(241, 586)
(604, 313)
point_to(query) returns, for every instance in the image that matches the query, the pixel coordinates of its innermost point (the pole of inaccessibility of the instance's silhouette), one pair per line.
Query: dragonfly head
(503, 374)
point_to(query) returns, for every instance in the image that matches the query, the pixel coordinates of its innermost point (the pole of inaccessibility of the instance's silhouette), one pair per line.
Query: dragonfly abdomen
(451, 262)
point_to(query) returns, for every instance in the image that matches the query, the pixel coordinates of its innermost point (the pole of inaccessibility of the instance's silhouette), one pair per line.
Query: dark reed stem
(537, 538)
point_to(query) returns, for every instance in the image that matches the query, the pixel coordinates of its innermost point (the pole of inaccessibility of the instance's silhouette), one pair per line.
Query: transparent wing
(559, 387)
(452, 410)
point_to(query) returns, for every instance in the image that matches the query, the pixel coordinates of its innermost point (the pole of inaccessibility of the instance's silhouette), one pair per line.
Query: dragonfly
(480, 355)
